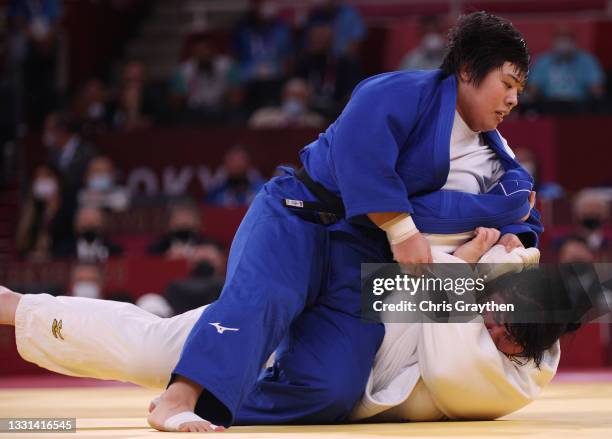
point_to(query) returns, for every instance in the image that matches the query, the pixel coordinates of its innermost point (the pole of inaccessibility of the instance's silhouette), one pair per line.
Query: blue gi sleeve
(528, 232)
(367, 140)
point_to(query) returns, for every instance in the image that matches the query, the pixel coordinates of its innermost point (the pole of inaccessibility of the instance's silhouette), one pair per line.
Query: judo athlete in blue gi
(293, 277)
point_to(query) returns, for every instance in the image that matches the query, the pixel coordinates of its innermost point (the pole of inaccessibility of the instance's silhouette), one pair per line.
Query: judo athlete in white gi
(293, 278)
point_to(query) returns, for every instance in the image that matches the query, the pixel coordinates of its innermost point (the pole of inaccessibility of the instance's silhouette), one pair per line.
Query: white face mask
(433, 42)
(44, 188)
(100, 182)
(86, 289)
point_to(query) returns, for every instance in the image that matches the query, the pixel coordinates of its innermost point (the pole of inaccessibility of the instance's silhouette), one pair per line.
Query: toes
(199, 427)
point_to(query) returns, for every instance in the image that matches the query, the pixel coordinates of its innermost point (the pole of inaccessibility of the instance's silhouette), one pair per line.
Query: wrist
(399, 229)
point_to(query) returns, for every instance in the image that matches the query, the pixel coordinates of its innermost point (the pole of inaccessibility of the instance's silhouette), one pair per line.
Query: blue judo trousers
(293, 283)
(292, 286)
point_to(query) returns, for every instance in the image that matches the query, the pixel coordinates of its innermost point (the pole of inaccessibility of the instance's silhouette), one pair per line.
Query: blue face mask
(100, 182)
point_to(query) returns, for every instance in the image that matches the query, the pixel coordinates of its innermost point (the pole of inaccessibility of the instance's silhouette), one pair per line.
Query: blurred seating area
(134, 134)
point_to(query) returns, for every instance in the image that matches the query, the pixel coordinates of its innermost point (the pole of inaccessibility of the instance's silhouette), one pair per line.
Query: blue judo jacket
(389, 151)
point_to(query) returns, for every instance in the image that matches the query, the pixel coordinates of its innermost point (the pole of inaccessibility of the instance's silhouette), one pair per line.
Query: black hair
(481, 42)
(549, 304)
(536, 338)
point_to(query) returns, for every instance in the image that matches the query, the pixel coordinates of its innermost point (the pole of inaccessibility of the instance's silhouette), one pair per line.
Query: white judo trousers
(422, 371)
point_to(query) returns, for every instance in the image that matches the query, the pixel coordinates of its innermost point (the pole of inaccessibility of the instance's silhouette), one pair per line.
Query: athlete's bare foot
(473, 250)
(8, 306)
(181, 396)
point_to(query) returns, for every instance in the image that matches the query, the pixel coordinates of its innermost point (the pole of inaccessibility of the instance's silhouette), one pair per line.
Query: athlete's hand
(414, 250)
(510, 241)
(532, 200)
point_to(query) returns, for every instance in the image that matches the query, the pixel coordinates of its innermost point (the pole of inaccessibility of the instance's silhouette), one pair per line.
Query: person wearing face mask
(38, 221)
(200, 83)
(566, 75)
(591, 210)
(237, 181)
(70, 155)
(101, 190)
(91, 243)
(204, 283)
(87, 280)
(294, 111)
(91, 108)
(183, 234)
(431, 50)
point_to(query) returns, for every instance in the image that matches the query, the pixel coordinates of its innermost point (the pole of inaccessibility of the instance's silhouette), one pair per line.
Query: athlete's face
(503, 340)
(483, 107)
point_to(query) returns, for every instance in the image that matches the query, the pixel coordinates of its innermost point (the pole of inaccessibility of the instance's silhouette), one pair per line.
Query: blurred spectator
(70, 156)
(183, 233)
(546, 190)
(294, 112)
(68, 153)
(431, 50)
(91, 108)
(566, 78)
(592, 213)
(347, 25)
(204, 283)
(34, 48)
(135, 106)
(201, 82)
(101, 189)
(262, 44)
(237, 181)
(331, 79)
(574, 249)
(87, 280)
(91, 243)
(155, 304)
(38, 219)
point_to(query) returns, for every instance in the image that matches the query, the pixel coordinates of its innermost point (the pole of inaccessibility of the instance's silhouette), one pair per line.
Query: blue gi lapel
(494, 141)
(443, 130)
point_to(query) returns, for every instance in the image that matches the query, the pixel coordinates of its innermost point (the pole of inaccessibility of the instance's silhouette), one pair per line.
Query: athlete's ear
(464, 74)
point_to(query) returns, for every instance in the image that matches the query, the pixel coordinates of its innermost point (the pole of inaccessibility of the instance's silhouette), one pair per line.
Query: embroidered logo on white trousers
(56, 329)
(222, 329)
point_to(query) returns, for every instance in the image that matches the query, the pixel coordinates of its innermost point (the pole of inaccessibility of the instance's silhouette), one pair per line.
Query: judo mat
(573, 406)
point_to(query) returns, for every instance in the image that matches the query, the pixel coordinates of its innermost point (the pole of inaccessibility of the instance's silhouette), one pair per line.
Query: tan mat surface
(565, 410)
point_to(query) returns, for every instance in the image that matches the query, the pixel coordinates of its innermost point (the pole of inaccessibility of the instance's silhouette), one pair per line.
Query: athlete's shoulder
(401, 81)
